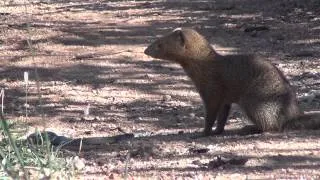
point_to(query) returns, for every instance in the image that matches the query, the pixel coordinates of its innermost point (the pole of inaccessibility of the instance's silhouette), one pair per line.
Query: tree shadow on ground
(142, 147)
(155, 112)
(226, 22)
(131, 141)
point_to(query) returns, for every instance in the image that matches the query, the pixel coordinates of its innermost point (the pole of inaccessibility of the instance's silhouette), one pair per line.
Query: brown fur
(256, 85)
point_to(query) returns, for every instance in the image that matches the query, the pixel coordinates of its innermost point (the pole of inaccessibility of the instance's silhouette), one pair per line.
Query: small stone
(192, 115)
(303, 54)
(87, 132)
(78, 163)
(47, 172)
(197, 162)
(256, 28)
(88, 118)
(211, 147)
(166, 98)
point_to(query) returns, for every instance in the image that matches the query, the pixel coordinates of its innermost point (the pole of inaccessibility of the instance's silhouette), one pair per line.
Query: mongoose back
(256, 85)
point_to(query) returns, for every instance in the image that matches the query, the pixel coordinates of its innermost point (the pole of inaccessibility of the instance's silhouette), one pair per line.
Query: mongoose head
(180, 45)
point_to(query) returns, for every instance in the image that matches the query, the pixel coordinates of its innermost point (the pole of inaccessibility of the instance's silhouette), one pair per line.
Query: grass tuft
(20, 159)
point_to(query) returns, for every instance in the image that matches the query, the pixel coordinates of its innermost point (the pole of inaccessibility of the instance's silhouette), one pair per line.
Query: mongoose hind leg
(265, 115)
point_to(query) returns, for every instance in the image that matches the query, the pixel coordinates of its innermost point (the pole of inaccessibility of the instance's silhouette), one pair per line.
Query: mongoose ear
(180, 36)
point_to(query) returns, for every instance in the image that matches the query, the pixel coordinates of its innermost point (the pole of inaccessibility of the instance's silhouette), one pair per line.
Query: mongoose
(256, 85)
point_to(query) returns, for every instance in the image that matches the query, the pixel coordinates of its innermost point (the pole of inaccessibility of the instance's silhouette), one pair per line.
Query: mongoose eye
(159, 46)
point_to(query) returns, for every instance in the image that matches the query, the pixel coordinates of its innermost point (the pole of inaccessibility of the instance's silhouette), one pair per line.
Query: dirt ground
(89, 55)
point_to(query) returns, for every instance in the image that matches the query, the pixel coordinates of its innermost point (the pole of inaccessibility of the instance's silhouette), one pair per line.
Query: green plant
(22, 159)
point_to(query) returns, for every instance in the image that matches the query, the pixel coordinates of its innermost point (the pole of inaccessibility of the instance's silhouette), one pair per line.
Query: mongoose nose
(147, 51)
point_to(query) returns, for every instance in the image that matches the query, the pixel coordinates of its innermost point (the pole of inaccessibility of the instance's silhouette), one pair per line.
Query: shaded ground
(90, 53)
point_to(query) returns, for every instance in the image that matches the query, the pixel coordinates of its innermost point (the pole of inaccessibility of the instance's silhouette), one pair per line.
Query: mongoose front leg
(212, 109)
(222, 118)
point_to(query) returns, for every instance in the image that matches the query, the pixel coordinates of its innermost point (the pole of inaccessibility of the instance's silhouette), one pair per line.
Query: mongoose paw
(213, 133)
(249, 129)
(207, 133)
(217, 132)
